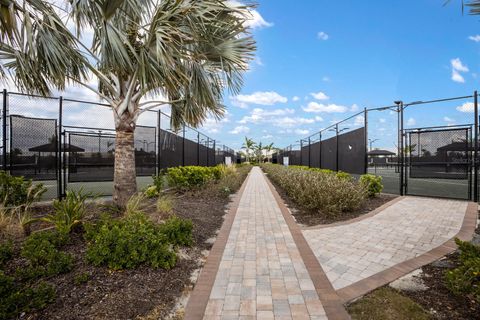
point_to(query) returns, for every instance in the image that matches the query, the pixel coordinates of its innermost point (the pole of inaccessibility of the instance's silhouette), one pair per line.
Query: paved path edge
(197, 303)
(360, 288)
(331, 302)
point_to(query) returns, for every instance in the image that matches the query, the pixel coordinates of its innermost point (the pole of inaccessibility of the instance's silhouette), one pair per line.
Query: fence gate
(439, 162)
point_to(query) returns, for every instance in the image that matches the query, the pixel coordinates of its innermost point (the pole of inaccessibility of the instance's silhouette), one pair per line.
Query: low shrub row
(320, 190)
(465, 278)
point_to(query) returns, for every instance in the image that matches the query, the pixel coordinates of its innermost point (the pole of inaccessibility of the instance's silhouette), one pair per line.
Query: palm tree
(248, 145)
(186, 52)
(269, 148)
(259, 152)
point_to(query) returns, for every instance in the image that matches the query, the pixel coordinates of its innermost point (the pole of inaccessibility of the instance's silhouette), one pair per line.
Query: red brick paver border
(331, 302)
(384, 277)
(198, 300)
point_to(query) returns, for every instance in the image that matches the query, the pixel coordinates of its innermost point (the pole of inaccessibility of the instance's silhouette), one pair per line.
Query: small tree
(185, 51)
(248, 145)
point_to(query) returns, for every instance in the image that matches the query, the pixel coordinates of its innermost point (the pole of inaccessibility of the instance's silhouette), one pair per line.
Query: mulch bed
(313, 218)
(140, 293)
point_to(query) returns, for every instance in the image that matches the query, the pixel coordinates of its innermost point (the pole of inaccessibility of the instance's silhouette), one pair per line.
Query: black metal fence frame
(399, 107)
(216, 154)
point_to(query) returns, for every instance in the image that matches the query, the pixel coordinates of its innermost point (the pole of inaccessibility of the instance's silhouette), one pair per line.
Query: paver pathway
(261, 273)
(406, 229)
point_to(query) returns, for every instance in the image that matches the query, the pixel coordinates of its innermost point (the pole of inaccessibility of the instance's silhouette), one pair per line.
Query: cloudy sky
(323, 61)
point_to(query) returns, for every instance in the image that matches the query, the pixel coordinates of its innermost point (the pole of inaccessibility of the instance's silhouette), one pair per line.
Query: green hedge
(318, 190)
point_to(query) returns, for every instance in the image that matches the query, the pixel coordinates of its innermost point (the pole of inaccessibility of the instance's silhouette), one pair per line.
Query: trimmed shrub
(44, 258)
(190, 177)
(6, 252)
(16, 191)
(465, 279)
(129, 242)
(344, 175)
(372, 183)
(151, 192)
(318, 191)
(15, 299)
(177, 231)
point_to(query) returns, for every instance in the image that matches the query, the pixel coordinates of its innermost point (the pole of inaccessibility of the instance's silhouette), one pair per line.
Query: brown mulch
(313, 218)
(437, 299)
(140, 293)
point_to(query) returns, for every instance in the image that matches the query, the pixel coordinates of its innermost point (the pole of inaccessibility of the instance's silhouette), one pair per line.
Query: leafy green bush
(177, 231)
(6, 252)
(372, 183)
(127, 243)
(16, 299)
(16, 191)
(318, 191)
(344, 175)
(68, 212)
(465, 279)
(151, 192)
(191, 177)
(159, 180)
(44, 259)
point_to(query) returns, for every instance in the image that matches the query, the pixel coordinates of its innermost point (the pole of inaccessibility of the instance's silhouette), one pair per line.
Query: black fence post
(309, 146)
(183, 146)
(59, 149)
(214, 153)
(475, 150)
(198, 148)
(336, 151)
(320, 150)
(301, 152)
(366, 138)
(4, 128)
(402, 149)
(159, 146)
(208, 153)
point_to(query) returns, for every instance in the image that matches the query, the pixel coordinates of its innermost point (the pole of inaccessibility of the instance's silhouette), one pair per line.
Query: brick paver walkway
(262, 274)
(410, 227)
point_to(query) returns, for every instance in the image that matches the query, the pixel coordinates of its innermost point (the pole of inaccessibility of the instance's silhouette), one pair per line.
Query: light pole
(371, 141)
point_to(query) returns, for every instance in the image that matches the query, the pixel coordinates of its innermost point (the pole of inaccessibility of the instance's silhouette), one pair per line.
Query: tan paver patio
(261, 273)
(262, 266)
(408, 228)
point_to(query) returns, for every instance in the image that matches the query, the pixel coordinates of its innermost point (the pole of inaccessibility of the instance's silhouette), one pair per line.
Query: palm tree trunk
(124, 180)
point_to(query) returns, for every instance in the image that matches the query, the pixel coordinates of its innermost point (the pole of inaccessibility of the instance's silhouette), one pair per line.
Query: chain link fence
(70, 144)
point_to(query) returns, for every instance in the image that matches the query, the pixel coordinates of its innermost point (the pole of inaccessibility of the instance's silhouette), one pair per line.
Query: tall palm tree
(259, 152)
(186, 52)
(268, 149)
(248, 145)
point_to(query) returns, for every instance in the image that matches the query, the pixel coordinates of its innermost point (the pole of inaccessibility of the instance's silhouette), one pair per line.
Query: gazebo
(380, 157)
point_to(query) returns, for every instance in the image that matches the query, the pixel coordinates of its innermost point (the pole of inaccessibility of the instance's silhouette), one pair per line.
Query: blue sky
(322, 61)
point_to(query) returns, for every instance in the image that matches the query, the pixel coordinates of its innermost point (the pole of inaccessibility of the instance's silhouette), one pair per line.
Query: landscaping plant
(318, 191)
(465, 278)
(372, 183)
(68, 212)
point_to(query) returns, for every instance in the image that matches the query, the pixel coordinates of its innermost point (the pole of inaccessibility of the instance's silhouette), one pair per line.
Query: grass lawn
(386, 303)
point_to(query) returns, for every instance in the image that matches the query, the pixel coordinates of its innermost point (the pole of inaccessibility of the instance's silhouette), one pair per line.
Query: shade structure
(52, 147)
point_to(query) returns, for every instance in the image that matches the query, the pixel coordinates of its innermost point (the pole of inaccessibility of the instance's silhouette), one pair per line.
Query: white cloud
(302, 131)
(320, 95)
(457, 68)
(322, 35)
(259, 115)
(359, 120)
(320, 107)
(254, 18)
(475, 38)
(295, 98)
(266, 98)
(411, 122)
(325, 79)
(267, 136)
(466, 107)
(382, 120)
(240, 129)
(457, 77)
(318, 118)
(448, 119)
(289, 122)
(354, 108)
